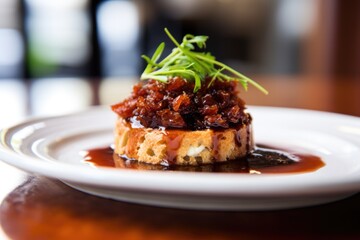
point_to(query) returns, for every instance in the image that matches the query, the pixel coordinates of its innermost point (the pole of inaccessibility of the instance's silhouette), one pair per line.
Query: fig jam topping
(175, 105)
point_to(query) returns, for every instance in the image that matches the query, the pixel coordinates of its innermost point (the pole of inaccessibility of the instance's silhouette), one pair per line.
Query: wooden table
(36, 207)
(43, 208)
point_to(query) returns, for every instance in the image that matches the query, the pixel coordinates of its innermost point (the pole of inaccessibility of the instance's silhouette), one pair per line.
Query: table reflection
(57, 96)
(13, 98)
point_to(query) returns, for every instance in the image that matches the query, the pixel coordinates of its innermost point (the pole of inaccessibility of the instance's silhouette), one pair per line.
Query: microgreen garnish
(185, 62)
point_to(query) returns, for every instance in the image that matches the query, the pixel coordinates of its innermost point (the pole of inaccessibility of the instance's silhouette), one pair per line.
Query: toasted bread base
(182, 147)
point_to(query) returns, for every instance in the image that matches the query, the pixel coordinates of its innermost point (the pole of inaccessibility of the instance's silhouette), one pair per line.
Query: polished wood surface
(36, 207)
(322, 93)
(43, 208)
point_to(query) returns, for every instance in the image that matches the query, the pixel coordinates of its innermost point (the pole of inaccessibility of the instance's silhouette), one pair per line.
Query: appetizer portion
(169, 123)
(187, 111)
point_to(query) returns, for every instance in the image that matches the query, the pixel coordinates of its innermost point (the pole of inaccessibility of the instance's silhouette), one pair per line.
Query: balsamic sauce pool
(263, 160)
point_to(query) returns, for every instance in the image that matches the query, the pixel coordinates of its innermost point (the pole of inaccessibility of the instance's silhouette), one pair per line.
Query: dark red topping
(154, 104)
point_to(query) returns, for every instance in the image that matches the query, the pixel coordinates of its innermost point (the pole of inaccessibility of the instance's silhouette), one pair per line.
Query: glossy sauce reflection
(264, 159)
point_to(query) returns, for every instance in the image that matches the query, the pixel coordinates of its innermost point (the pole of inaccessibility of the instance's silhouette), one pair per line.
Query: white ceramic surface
(52, 146)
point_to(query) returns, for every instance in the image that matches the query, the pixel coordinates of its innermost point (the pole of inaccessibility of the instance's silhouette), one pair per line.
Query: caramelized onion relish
(175, 105)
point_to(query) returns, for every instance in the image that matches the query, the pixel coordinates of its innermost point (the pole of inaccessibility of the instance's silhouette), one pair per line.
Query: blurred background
(62, 56)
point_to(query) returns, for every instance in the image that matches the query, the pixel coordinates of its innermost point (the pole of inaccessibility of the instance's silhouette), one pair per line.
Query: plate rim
(47, 168)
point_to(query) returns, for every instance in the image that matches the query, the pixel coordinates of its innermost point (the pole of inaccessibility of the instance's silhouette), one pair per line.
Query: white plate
(51, 146)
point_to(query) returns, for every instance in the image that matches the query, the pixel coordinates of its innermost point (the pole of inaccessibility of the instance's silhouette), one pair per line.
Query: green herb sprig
(185, 62)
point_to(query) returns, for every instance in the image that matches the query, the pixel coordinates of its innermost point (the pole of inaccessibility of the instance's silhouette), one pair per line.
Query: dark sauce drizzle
(173, 142)
(263, 159)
